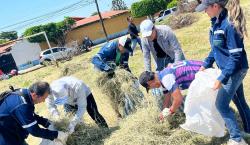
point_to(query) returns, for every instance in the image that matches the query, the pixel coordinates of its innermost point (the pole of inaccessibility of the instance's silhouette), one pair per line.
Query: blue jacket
(108, 54)
(18, 119)
(227, 48)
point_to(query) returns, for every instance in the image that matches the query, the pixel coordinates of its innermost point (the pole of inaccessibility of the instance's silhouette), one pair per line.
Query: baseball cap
(125, 41)
(146, 28)
(205, 3)
(144, 78)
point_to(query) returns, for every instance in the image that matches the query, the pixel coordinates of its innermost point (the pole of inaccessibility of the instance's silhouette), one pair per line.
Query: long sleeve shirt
(69, 90)
(167, 41)
(18, 120)
(108, 53)
(227, 48)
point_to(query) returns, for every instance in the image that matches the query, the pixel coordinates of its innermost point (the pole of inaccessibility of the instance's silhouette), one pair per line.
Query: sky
(14, 11)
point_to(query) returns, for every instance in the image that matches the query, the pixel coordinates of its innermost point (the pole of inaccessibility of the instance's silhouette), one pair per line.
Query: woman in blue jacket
(226, 39)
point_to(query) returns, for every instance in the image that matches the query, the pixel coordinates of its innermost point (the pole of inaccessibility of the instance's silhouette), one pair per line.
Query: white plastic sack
(49, 142)
(201, 113)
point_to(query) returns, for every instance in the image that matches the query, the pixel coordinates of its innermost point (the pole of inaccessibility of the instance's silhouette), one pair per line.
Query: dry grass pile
(184, 7)
(120, 86)
(143, 127)
(70, 69)
(181, 20)
(84, 134)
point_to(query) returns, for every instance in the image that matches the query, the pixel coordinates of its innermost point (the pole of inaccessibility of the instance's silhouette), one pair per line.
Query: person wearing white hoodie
(76, 97)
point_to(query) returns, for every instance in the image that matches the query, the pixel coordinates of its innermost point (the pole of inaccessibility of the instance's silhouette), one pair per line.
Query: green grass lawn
(194, 42)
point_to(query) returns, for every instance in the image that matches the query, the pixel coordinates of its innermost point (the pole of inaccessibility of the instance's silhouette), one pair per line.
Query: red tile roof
(105, 15)
(77, 18)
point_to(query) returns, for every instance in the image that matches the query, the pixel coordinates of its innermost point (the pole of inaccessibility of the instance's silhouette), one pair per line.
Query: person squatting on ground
(18, 119)
(227, 50)
(112, 54)
(75, 96)
(172, 79)
(161, 41)
(134, 34)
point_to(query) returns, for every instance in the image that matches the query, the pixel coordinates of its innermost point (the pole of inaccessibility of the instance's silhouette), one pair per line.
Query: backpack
(5, 94)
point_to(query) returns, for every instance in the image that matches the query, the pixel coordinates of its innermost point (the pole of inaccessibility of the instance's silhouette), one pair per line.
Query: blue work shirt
(18, 119)
(227, 48)
(108, 54)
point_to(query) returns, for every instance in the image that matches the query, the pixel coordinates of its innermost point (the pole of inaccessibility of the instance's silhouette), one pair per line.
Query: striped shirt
(179, 75)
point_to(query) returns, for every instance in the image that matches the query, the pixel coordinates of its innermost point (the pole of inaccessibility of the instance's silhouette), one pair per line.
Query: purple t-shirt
(179, 75)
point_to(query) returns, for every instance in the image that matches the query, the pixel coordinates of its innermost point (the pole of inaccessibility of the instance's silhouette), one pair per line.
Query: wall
(115, 27)
(25, 53)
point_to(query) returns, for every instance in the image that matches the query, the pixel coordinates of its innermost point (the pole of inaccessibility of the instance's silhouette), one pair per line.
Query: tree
(147, 7)
(94, 13)
(118, 5)
(2, 41)
(56, 32)
(11, 35)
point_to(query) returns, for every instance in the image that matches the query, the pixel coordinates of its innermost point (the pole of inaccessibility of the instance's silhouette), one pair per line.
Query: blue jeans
(163, 62)
(134, 42)
(233, 90)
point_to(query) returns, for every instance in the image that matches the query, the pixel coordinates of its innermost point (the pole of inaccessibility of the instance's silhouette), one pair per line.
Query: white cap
(122, 40)
(125, 41)
(146, 28)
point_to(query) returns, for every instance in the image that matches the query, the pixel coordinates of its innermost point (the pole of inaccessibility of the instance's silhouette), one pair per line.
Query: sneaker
(232, 142)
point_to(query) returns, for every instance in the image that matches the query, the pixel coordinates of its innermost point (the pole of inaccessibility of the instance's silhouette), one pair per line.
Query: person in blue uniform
(18, 119)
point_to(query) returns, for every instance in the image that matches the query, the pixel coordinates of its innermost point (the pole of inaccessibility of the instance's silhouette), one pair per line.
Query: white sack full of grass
(200, 110)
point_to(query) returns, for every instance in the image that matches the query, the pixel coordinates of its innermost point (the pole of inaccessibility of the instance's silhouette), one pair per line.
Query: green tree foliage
(173, 3)
(2, 41)
(94, 13)
(147, 7)
(118, 5)
(56, 32)
(11, 35)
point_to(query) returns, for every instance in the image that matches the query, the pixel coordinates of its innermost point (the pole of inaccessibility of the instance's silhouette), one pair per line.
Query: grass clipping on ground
(123, 84)
(144, 128)
(83, 134)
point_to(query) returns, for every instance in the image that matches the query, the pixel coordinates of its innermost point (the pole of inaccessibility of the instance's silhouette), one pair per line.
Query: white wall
(24, 51)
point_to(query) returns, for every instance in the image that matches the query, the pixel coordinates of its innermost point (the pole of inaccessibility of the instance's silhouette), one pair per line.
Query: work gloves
(71, 128)
(55, 115)
(62, 137)
(73, 122)
(165, 113)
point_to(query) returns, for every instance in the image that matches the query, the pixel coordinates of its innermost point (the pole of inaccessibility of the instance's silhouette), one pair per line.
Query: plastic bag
(200, 110)
(50, 142)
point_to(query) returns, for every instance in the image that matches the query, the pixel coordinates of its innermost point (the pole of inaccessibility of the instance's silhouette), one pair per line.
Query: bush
(147, 7)
(172, 4)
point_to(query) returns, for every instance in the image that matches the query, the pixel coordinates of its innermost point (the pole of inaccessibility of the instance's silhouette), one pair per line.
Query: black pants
(91, 109)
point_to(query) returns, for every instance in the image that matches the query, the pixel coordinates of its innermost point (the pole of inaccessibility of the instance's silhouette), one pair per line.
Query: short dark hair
(145, 77)
(40, 88)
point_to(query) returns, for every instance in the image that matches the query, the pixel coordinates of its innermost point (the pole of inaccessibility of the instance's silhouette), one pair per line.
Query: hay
(83, 134)
(181, 20)
(119, 87)
(70, 69)
(144, 128)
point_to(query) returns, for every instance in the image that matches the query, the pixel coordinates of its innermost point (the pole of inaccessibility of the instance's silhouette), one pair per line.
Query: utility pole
(101, 20)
